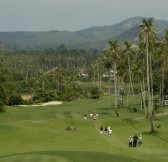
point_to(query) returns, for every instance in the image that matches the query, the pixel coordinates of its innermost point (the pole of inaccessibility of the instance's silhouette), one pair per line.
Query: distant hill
(93, 37)
(108, 32)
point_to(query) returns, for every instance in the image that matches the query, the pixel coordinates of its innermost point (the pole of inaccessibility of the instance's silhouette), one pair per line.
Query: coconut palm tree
(162, 61)
(112, 54)
(129, 52)
(108, 67)
(147, 35)
(139, 74)
(98, 65)
(58, 75)
(94, 72)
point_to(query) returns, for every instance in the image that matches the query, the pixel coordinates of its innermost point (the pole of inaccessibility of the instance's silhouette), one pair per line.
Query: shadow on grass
(6, 127)
(131, 122)
(70, 156)
(105, 108)
(155, 134)
(106, 114)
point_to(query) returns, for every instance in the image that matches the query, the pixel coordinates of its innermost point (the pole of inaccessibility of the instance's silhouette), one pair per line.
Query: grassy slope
(38, 134)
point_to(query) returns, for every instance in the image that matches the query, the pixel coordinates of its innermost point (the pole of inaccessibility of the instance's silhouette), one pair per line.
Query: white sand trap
(44, 104)
(51, 103)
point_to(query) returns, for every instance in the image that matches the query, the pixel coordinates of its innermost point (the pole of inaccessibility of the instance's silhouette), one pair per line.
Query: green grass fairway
(37, 134)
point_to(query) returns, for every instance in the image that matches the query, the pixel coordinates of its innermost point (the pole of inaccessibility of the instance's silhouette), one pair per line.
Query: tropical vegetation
(68, 74)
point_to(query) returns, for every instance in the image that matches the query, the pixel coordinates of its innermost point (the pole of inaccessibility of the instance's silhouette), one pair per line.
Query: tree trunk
(130, 77)
(151, 79)
(115, 86)
(149, 90)
(143, 97)
(109, 90)
(162, 90)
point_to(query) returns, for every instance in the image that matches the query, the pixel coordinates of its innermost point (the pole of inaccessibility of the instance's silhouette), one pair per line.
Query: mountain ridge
(90, 37)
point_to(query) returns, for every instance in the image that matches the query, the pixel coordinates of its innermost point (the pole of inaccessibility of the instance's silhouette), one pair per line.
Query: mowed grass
(38, 134)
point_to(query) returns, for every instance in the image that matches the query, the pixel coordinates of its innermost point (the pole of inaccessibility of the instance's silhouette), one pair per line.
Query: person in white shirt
(101, 130)
(130, 141)
(108, 128)
(85, 116)
(110, 132)
(91, 116)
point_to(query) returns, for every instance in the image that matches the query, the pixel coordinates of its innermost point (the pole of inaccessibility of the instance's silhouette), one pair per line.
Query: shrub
(15, 99)
(95, 93)
(42, 96)
(135, 109)
(2, 109)
(2, 99)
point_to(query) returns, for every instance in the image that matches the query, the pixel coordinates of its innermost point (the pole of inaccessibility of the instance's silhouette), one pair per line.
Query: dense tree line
(2, 80)
(29, 63)
(49, 74)
(145, 62)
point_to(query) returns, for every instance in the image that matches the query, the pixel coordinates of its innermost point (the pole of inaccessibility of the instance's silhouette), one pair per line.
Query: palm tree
(101, 70)
(71, 88)
(59, 74)
(147, 35)
(94, 72)
(43, 78)
(165, 49)
(162, 61)
(138, 73)
(128, 53)
(108, 67)
(112, 54)
(98, 65)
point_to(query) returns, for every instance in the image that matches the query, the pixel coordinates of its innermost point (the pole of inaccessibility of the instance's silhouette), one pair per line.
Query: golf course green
(38, 133)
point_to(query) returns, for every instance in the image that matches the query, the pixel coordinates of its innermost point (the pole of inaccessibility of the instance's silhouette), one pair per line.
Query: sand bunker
(45, 104)
(51, 103)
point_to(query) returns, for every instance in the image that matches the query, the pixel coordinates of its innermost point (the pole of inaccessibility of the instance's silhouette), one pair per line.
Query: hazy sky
(72, 15)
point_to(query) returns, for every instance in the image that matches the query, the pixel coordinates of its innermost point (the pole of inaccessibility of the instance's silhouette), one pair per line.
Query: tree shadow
(131, 122)
(155, 134)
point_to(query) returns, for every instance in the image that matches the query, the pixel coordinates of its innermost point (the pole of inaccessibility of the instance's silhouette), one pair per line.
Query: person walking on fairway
(94, 117)
(97, 115)
(108, 128)
(91, 115)
(135, 138)
(140, 140)
(110, 132)
(101, 130)
(85, 116)
(105, 131)
(130, 140)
